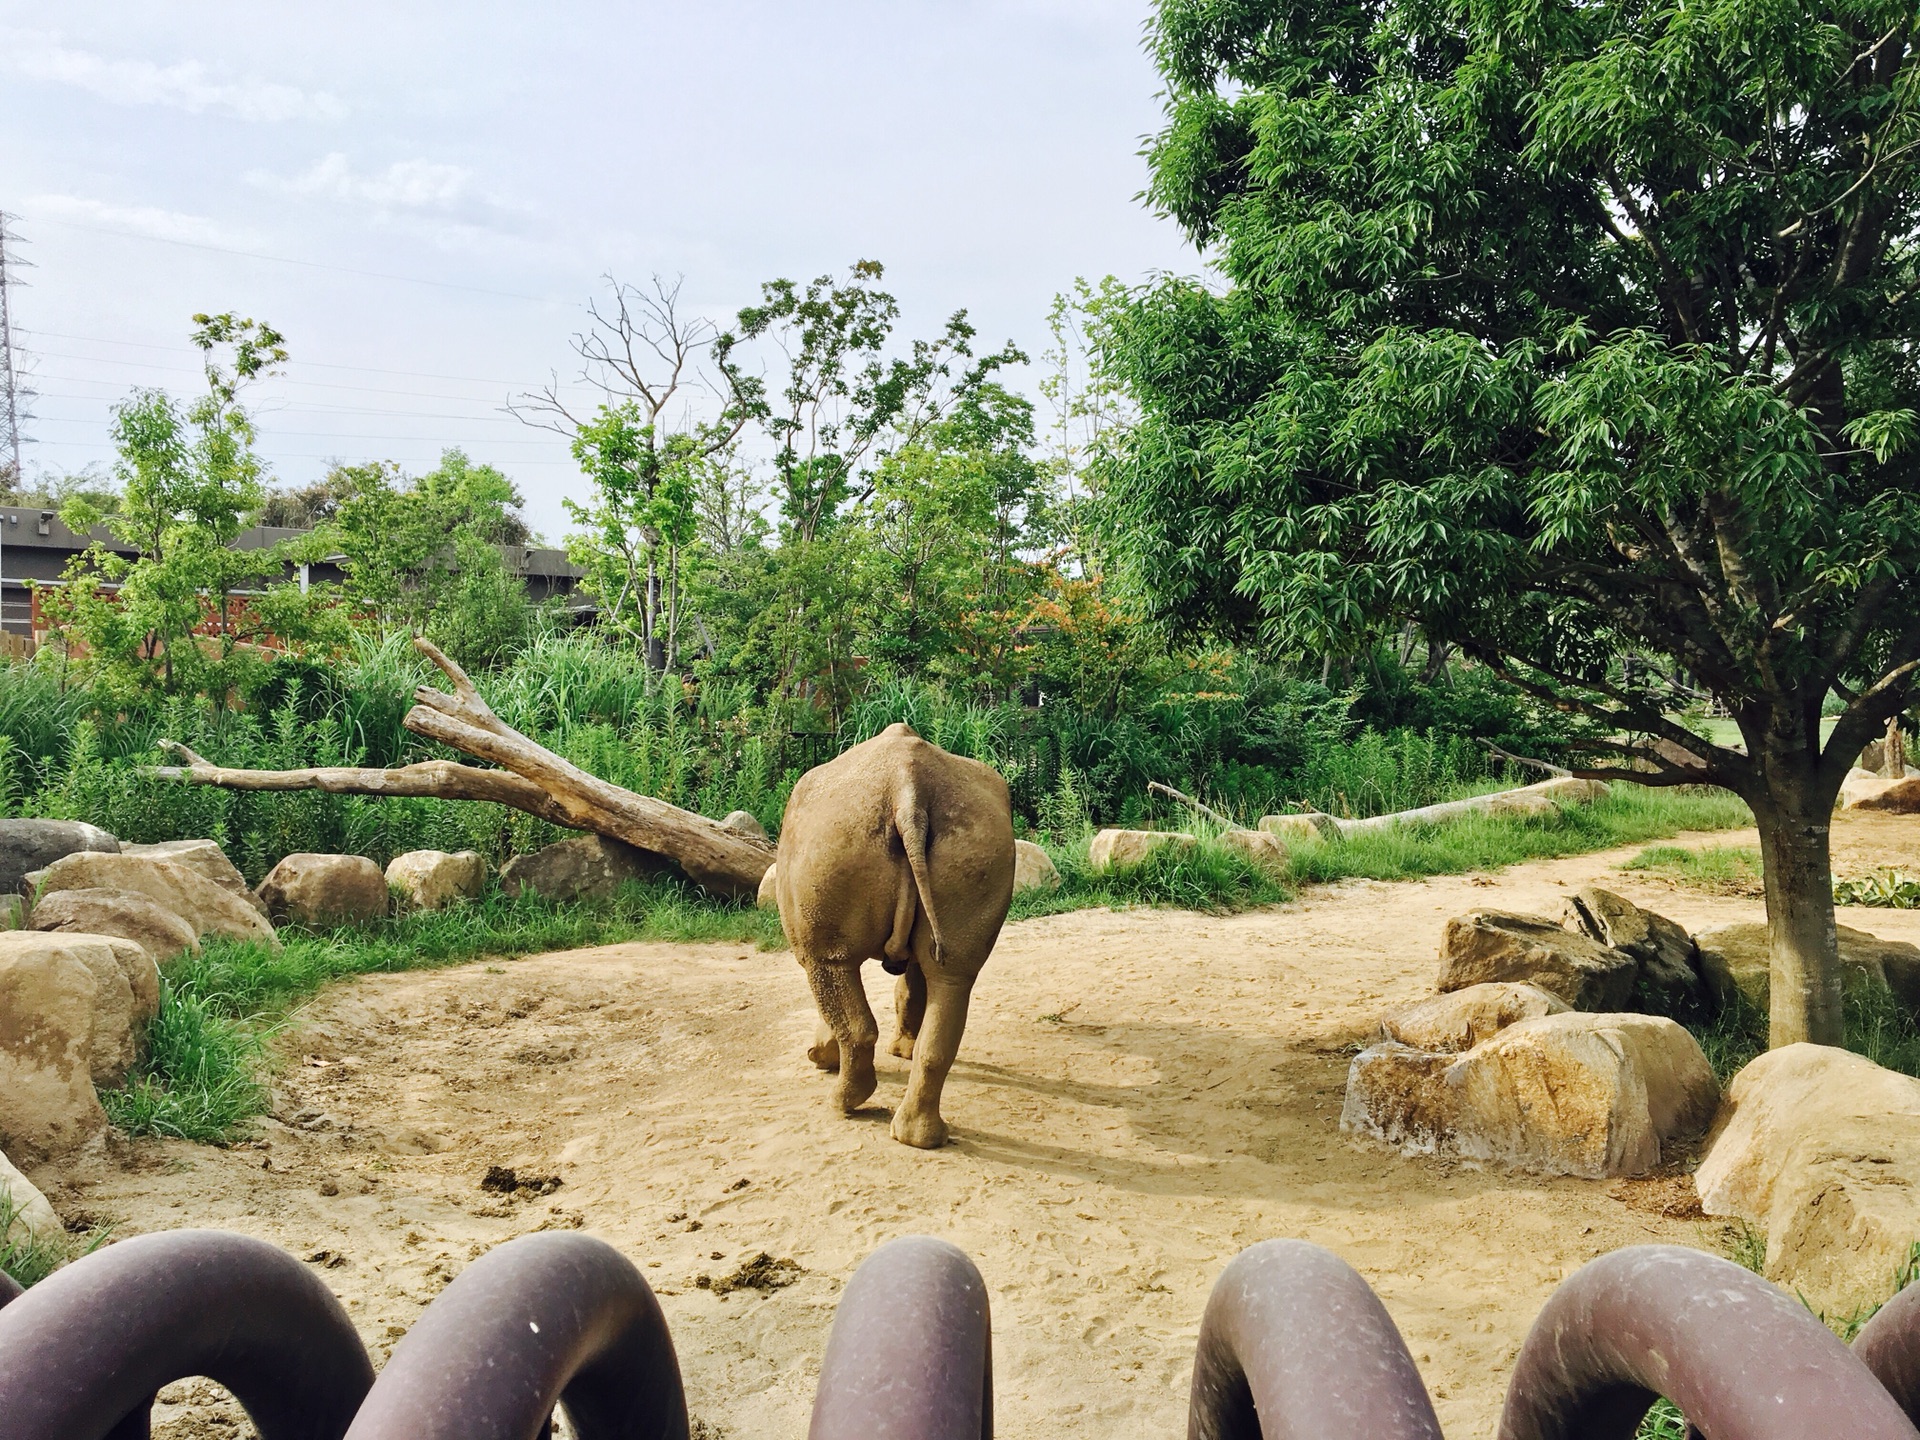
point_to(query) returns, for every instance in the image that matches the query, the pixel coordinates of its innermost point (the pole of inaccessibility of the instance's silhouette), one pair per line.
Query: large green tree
(1561, 328)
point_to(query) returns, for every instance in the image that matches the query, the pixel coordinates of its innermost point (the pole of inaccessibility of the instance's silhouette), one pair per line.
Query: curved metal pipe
(1738, 1356)
(84, 1351)
(1889, 1346)
(1294, 1345)
(911, 1352)
(9, 1289)
(545, 1319)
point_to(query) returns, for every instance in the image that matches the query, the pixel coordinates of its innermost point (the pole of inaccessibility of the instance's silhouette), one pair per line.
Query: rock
(767, 899)
(33, 1217)
(433, 879)
(207, 908)
(126, 994)
(321, 890)
(1820, 1148)
(1862, 790)
(1570, 790)
(1736, 958)
(1124, 849)
(126, 913)
(1568, 1094)
(1033, 868)
(587, 867)
(1448, 1024)
(742, 822)
(1262, 847)
(1669, 960)
(1306, 825)
(1521, 805)
(48, 1108)
(1490, 945)
(205, 858)
(29, 845)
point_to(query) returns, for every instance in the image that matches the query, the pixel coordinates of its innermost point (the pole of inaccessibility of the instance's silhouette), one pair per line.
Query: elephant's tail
(910, 818)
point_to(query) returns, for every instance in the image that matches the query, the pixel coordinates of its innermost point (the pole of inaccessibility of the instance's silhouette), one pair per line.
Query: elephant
(900, 852)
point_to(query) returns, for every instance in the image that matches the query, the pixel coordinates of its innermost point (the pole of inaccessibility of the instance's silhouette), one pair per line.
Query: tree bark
(531, 778)
(1796, 862)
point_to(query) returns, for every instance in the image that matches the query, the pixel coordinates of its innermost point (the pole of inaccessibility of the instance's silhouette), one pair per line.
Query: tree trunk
(1797, 866)
(532, 779)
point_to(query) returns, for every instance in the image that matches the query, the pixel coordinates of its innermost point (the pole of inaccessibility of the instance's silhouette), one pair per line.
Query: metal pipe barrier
(9, 1289)
(910, 1356)
(545, 1319)
(1739, 1357)
(1293, 1344)
(83, 1352)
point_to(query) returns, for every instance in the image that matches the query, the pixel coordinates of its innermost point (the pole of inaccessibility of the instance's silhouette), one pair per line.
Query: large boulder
(1570, 790)
(30, 845)
(1736, 958)
(768, 897)
(1033, 868)
(126, 913)
(48, 1108)
(1820, 1148)
(207, 908)
(1493, 945)
(1568, 1094)
(1527, 804)
(1305, 825)
(319, 890)
(1124, 849)
(587, 867)
(205, 858)
(1863, 790)
(1461, 1019)
(433, 879)
(126, 994)
(1262, 847)
(33, 1217)
(744, 822)
(1669, 960)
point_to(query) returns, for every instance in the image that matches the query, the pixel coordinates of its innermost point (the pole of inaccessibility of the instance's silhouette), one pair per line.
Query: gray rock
(1669, 960)
(312, 889)
(587, 867)
(742, 823)
(29, 845)
(1493, 945)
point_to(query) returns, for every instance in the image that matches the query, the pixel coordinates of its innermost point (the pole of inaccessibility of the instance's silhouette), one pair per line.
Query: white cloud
(403, 185)
(140, 219)
(185, 85)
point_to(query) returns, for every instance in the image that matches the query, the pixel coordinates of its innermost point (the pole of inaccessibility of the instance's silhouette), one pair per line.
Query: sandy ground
(1140, 1095)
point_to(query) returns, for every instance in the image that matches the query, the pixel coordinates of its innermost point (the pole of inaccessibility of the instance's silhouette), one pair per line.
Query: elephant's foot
(825, 1052)
(857, 1081)
(923, 1130)
(902, 1046)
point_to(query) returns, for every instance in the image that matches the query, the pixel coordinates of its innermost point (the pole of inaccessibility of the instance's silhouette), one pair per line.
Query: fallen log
(1563, 789)
(530, 778)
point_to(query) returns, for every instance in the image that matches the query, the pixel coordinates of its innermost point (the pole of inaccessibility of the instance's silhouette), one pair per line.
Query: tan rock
(208, 909)
(1493, 945)
(126, 913)
(1448, 1024)
(1033, 868)
(433, 879)
(586, 867)
(767, 899)
(1305, 825)
(320, 890)
(1820, 1148)
(1568, 790)
(1567, 1094)
(48, 1107)
(1521, 805)
(1737, 958)
(1124, 849)
(204, 858)
(33, 1217)
(1863, 790)
(126, 993)
(1667, 955)
(1262, 847)
(743, 822)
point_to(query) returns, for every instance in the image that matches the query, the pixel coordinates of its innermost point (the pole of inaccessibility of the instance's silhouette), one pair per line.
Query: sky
(422, 197)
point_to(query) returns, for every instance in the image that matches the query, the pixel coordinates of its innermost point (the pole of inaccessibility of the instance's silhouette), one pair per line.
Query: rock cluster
(207, 907)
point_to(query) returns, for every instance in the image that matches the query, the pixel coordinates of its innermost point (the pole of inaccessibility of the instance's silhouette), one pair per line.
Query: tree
(1560, 330)
(188, 613)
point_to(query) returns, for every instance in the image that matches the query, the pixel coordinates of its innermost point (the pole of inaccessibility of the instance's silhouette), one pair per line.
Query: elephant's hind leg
(843, 1005)
(917, 1122)
(909, 1009)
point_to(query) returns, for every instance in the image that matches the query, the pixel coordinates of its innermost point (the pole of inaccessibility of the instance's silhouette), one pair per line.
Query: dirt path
(1140, 1095)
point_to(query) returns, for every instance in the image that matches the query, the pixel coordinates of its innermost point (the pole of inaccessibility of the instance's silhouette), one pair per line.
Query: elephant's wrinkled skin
(900, 852)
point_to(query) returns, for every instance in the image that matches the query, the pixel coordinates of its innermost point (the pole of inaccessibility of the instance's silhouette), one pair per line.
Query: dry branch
(530, 778)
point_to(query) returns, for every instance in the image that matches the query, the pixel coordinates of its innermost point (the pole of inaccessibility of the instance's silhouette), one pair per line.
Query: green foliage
(1714, 869)
(1206, 877)
(30, 1258)
(1887, 889)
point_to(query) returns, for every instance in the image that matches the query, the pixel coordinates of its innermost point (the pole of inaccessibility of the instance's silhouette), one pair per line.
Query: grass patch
(1713, 869)
(1629, 814)
(29, 1258)
(206, 1049)
(1877, 1026)
(1207, 877)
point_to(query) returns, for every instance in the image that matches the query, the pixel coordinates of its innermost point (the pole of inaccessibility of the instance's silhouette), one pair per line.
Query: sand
(1140, 1095)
